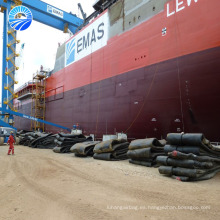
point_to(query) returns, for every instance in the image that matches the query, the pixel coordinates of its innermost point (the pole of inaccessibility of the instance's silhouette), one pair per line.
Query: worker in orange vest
(11, 142)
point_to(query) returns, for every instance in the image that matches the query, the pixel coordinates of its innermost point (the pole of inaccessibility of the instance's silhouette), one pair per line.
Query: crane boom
(4, 124)
(82, 12)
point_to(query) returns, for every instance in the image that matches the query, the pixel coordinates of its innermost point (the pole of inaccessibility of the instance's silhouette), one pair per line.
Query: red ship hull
(145, 83)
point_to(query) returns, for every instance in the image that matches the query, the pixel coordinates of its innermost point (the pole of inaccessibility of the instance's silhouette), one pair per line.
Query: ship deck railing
(24, 86)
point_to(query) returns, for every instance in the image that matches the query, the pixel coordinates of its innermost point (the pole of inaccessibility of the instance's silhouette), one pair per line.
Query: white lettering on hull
(89, 40)
(180, 5)
(177, 6)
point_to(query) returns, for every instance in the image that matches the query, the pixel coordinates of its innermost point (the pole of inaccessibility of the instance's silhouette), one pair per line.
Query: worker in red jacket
(11, 142)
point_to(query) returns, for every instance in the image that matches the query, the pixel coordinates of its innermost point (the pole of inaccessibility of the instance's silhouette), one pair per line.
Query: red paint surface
(144, 84)
(191, 30)
(148, 102)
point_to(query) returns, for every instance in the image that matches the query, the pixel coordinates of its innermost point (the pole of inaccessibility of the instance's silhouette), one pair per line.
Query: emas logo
(54, 11)
(70, 51)
(20, 18)
(90, 39)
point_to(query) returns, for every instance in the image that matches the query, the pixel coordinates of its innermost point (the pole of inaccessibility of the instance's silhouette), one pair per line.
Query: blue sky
(41, 41)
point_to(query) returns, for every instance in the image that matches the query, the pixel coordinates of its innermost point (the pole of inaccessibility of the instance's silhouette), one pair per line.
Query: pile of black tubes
(189, 157)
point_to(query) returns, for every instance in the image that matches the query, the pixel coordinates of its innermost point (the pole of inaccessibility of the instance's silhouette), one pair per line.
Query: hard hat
(11, 132)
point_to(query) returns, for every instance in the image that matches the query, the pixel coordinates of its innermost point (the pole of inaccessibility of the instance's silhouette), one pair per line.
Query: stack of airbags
(190, 157)
(145, 151)
(84, 149)
(111, 150)
(65, 141)
(37, 140)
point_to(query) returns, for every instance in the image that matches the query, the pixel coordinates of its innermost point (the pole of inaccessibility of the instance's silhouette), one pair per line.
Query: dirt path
(39, 184)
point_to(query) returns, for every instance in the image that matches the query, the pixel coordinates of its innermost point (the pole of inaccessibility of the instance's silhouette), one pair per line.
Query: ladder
(38, 99)
(9, 75)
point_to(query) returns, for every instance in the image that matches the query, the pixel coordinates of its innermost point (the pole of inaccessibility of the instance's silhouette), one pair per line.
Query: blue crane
(43, 13)
(8, 111)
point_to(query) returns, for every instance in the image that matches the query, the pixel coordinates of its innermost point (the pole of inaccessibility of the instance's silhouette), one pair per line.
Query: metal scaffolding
(38, 100)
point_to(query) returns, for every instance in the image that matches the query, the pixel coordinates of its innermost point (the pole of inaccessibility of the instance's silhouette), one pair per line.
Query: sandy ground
(40, 184)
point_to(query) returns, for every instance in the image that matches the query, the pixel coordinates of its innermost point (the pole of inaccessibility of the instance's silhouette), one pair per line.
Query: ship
(145, 68)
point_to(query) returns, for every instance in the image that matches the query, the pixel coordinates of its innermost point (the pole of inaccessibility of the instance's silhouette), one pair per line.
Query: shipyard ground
(40, 184)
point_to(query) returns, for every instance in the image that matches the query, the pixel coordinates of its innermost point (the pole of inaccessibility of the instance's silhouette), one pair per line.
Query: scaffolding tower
(38, 100)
